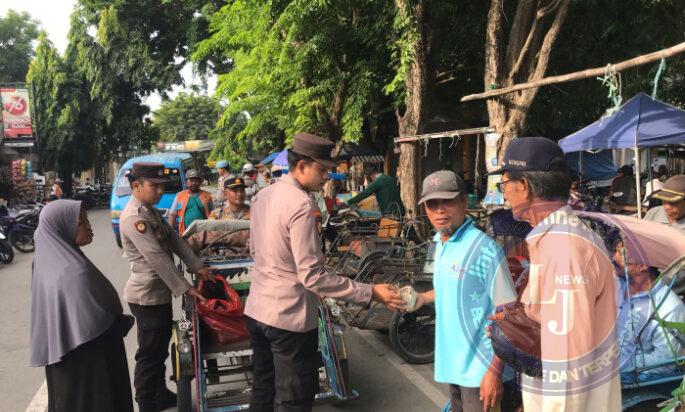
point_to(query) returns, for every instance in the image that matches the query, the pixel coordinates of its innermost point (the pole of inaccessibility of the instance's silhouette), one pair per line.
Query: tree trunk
(331, 120)
(529, 45)
(413, 121)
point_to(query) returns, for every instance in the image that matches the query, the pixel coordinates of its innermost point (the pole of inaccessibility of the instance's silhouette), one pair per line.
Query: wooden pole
(583, 74)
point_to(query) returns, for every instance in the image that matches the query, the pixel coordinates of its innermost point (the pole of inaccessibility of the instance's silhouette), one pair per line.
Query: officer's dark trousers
(154, 333)
(285, 366)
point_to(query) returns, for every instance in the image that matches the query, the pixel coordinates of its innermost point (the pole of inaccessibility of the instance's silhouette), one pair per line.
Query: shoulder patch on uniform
(141, 226)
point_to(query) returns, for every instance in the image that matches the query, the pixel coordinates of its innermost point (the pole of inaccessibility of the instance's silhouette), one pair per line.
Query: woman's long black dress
(93, 377)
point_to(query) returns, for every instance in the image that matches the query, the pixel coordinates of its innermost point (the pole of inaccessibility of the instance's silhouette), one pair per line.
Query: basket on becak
(221, 315)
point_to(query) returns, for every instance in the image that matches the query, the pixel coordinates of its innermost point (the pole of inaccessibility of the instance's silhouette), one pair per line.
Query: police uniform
(149, 244)
(288, 278)
(225, 213)
(236, 242)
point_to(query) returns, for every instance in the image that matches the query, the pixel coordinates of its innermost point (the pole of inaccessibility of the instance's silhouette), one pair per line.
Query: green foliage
(291, 59)
(238, 151)
(17, 33)
(48, 77)
(187, 117)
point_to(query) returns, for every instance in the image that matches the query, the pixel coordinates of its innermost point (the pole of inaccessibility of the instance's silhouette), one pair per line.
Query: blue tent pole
(637, 180)
(637, 165)
(580, 167)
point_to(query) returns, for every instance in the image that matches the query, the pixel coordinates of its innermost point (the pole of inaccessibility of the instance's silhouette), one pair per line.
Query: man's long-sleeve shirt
(289, 275)
(387, 193)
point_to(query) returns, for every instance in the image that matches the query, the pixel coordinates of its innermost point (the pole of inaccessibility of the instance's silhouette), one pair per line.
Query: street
(384, 382)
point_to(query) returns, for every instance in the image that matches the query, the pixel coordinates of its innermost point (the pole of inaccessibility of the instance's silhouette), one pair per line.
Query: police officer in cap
(150, 244)
(288, 279)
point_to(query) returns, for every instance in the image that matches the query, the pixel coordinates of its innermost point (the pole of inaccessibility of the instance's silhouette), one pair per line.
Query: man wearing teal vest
(191, 204)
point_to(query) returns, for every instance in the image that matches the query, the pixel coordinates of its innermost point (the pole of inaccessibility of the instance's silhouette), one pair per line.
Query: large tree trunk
(332, 119)
(533, 33)
(413, 120)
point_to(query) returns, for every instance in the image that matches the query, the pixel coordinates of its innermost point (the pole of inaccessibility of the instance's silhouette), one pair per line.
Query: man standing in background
(191, 204)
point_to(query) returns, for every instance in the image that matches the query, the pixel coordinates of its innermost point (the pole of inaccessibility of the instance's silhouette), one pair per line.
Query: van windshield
(174, 185)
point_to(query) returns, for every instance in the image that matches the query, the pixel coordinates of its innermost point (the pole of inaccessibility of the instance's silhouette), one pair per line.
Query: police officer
(288, 278)
(149, 244)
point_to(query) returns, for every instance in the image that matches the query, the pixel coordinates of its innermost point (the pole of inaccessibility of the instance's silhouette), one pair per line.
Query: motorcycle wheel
(22, 241)
(6, 252)
(412, 335)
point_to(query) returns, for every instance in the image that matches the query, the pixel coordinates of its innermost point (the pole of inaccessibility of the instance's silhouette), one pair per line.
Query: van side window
(123, 187)
(175, 184)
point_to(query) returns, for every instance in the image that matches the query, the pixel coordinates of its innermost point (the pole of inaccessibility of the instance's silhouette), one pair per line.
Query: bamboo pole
(583, 74)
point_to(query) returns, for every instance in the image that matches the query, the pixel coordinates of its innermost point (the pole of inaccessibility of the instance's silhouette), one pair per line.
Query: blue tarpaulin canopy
(640, 122)
(595, 166)
(281, 159)
(270, 158)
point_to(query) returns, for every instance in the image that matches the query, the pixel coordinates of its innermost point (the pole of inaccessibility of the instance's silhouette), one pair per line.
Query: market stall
(639, 123)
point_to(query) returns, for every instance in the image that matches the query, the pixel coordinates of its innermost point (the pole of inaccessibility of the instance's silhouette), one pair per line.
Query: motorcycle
(20, 227)
(6, 251)
(86, 195)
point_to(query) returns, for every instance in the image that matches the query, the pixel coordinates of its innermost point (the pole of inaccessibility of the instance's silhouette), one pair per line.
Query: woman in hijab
(77, 325)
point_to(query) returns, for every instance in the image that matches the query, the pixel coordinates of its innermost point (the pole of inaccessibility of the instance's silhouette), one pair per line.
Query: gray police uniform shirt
(150, 244)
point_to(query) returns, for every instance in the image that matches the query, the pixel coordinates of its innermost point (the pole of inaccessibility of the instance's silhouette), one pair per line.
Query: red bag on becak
(221, 314)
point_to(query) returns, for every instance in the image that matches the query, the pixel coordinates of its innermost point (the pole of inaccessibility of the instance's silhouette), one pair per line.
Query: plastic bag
(221, 314)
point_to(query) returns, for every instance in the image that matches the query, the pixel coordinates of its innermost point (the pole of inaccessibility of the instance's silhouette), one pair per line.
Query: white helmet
(248, 167)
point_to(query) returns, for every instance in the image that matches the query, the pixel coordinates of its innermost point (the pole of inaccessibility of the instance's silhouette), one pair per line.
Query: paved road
(384, 382)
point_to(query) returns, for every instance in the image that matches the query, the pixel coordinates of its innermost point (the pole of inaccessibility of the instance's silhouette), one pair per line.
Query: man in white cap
(56, 192)
(250, 177)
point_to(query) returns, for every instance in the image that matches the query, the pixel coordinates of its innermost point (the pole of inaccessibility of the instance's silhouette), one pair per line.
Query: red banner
(16, 116)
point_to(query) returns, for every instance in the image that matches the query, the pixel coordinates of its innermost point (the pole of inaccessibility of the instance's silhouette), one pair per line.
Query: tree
(229, 146)
(416, 35)
(520, 55)
(599, 37)
(187, 117)
(318, 67)
(17, 33)
(47, 75)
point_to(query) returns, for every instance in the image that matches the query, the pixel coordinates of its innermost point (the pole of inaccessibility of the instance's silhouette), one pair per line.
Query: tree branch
(583, 74)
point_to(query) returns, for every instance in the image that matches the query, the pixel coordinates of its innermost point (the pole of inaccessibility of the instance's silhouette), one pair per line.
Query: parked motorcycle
(86, 196)
(6, 251)
(20, 227)
(92, 196)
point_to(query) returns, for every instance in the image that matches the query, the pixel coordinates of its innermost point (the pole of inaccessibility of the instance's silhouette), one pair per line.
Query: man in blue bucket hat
(223, 168)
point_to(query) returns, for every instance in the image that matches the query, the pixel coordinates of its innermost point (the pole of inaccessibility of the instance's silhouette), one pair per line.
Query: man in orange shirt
(191, 204)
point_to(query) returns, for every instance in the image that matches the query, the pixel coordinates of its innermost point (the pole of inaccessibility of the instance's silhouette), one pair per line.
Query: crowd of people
(576, 290)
